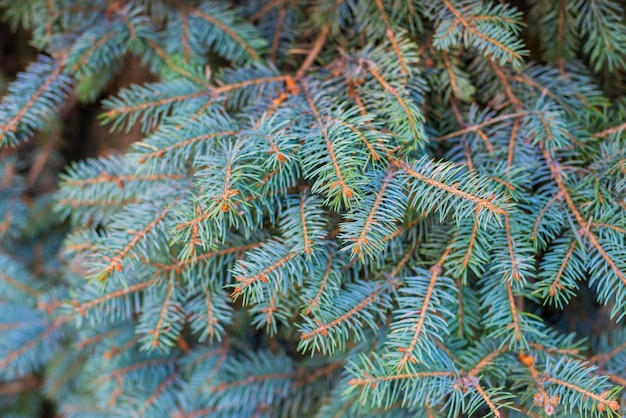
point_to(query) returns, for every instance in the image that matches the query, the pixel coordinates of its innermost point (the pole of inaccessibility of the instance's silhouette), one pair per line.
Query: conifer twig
(315, 50)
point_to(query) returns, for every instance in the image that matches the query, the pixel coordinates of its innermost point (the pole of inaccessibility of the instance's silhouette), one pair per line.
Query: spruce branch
(421, 325)
(83, 307)
(585, 233)
(214, 19)
(313, 223)
(32, 99)
(114, 263)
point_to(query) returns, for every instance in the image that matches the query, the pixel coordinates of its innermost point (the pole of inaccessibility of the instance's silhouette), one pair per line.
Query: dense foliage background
(329, 208)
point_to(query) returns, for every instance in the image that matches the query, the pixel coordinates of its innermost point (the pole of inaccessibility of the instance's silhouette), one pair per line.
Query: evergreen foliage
(347, 208)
